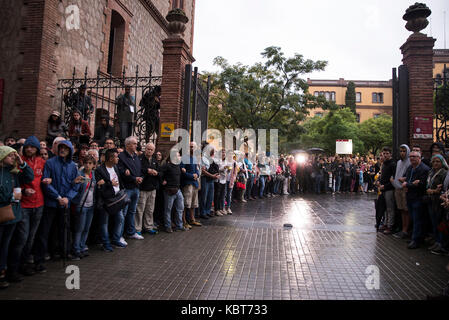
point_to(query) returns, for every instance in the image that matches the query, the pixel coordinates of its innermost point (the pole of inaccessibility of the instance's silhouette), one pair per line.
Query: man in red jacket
(32, 208)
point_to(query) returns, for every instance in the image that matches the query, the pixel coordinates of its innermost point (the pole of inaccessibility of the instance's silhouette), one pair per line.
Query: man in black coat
(103, 132)
(387, 188)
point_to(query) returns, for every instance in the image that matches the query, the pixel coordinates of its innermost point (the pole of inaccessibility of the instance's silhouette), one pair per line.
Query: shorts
(190, 194)
(401, 199)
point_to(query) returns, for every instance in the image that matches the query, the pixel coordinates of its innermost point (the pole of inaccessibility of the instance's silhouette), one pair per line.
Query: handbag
(115, 204)
(6, 214)
(241, 186)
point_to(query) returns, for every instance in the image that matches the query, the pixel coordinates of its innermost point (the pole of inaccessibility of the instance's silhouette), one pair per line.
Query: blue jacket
(191, 169)
(63, 173)
(83, 188)
(8, 181)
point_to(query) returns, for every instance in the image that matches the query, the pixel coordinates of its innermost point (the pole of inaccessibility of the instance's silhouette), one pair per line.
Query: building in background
(373, 98)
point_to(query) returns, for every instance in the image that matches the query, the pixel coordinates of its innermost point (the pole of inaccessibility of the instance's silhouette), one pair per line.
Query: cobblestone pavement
(250, 255)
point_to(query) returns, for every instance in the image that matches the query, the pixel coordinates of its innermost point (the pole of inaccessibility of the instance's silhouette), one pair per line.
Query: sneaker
(75, 257)
(40, 268)
(211, 215)
(188, 226)
(181, 229)
(30, 260)
(107, 248)
(435, 246)
(169, 230)
(400, 235)
(14, 277)
(387, 231)
(196, 224)
(27, 270)
(413, 245)
(3, 282)
(136, 236)
(244, 201)
(118, 245)
(139, 233)
(47, 257)
(205, 217)
(229, 211)
(84, 254)
(152, 232)
(122, 241)
(219, 214)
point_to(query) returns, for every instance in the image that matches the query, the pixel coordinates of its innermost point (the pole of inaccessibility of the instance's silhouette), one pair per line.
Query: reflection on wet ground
(332, 252)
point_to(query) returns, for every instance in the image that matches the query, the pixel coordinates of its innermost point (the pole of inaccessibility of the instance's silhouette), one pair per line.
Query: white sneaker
(224, 212)
(136, 237)
(122, 241)
(218, 213)
(229, 211)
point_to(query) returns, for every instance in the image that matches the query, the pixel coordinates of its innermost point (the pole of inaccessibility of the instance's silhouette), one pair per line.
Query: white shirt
(114, 176)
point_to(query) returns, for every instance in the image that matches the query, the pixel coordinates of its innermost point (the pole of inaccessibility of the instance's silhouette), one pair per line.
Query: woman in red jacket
(79, 130)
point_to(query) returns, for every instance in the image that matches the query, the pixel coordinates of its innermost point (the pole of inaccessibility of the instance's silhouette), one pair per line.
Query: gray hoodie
(401, 168)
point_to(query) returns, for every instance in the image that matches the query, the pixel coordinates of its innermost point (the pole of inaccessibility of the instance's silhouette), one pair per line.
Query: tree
(350, 98)
(269, 95)
(376, 133)
(324, 132)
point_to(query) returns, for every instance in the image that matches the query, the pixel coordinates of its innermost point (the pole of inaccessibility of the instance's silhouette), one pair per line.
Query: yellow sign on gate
(167, 130)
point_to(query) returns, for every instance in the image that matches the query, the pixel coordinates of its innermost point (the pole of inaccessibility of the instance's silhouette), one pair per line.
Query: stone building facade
(41, 41)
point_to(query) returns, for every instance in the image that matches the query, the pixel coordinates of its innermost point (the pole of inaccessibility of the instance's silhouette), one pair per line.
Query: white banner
(344, 147)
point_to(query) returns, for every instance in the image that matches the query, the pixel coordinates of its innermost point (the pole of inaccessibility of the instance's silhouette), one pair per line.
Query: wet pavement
(331, 252)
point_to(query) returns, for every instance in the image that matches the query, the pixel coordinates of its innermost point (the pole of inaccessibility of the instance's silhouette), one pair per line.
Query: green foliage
(350, 97)
(269, 95)
(336, 124)
(377, 133)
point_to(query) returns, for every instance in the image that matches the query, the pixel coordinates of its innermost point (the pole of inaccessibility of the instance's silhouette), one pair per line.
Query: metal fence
(103, 91)
(441, 107)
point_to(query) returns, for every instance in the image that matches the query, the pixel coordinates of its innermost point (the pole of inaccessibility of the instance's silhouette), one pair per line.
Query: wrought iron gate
(441, 107)
(400, 109)
(103, 92)
(196, 100)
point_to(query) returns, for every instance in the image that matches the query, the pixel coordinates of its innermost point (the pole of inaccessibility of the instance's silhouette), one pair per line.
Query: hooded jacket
(401, 167)
(37, 164)
(388, 171)
(63, 173)
(10, 180)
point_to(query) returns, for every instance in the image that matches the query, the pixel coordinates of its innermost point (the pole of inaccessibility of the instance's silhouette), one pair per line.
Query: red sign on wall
(2, 86)
(423, 128)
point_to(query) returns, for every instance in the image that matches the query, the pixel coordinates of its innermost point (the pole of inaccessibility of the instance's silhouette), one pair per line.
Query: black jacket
(388, 171)
(420, 173)
(149, 183)
(172, 174)
(131, 163)
(102, 133)
(106, 191)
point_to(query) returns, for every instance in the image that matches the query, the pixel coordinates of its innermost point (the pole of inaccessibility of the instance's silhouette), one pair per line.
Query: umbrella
(298, 151)
(380, 206)
(315, 150)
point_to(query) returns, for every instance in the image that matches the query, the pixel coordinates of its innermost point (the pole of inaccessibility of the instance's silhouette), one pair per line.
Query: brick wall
(418, 57)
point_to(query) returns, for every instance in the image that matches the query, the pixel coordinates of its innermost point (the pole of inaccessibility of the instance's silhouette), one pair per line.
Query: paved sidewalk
(250, 255)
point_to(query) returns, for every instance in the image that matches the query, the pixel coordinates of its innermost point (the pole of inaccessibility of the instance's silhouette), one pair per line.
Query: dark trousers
(219, 195)
(158, 214)
(6, 232)
(53, 217)
(23, 238)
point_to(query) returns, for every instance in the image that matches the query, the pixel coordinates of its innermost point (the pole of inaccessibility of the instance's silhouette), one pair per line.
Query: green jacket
(8, 182)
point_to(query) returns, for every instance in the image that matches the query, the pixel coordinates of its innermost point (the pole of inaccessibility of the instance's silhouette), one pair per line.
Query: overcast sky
(359, 39)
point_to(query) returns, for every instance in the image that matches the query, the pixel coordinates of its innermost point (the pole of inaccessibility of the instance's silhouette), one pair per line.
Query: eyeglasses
(414, 156)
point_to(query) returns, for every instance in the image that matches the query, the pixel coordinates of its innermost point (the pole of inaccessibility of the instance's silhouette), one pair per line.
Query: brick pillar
(175, 57)
(418, 57)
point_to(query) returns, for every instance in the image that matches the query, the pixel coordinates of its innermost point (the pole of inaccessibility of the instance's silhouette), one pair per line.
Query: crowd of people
(63, 194)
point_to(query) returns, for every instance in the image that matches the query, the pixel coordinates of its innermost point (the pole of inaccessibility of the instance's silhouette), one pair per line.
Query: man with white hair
(130, 168)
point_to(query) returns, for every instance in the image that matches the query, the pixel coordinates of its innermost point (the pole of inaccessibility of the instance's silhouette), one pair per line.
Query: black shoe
(169, 230)
(40, 268)
(27, 271)
(15, 277)
(205, 217)
(413, 245)
(84, 254)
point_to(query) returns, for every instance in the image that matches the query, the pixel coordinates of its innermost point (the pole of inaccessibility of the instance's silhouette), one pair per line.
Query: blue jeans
(207, 196)
(435, 217)
(117, 228)
(6, 232)
(178, 201)
(276, 186)
(318, 179)
(23, 238)
(82, 221)
(129, 228)
(337, 183)
(415, 211)
(261, 185)
(228, 196)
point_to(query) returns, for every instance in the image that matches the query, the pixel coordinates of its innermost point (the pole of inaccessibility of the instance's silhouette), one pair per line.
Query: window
(333, 96)
(378, 97)
(116, 44)
(316, 93)
(319, 114)
(327, 95)
(376, 115)
(358, 117)
(358, 97)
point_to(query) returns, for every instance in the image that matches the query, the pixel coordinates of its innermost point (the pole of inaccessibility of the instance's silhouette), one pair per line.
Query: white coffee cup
(18, 190)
